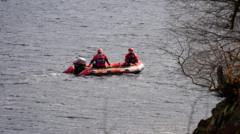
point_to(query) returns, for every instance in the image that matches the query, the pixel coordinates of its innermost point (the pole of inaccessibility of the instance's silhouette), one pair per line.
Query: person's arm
(107, 60)
(126, 58)
(91, 62)
(137, 59)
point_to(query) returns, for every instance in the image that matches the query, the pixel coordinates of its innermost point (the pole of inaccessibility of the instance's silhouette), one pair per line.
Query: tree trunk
(220, 77)
(234, 15)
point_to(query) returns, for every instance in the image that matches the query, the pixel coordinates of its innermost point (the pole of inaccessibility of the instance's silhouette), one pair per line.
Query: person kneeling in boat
(79, 65)
(131, 58)
(99, 60)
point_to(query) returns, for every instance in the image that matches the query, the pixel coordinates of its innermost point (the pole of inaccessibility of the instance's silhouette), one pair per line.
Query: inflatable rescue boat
(114, 68)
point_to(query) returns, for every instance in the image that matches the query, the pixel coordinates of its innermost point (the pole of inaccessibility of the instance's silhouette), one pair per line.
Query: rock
(225, 119)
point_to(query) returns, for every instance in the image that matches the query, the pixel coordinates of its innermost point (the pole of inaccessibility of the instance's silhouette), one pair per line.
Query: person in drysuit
(79, 65)
(131, 58)
(99, 60)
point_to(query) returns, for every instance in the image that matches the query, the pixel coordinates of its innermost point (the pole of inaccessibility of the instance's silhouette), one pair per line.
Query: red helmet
(130, 49)
(100, 50)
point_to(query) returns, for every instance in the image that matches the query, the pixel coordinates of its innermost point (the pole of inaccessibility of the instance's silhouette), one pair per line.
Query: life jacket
(100, 60)
(131, 58)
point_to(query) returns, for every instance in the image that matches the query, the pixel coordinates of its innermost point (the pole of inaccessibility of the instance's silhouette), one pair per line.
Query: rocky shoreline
(225, 117)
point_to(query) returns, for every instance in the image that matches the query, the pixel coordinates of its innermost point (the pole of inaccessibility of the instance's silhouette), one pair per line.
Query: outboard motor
(79, 65)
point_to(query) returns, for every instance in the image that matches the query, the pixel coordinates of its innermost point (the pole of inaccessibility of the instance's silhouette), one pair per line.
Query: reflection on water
(39, 39)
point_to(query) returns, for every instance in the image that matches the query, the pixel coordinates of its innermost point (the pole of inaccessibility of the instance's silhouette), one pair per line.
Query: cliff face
(225, 118)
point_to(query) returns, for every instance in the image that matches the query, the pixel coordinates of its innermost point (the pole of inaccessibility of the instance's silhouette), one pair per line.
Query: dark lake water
(40, 39)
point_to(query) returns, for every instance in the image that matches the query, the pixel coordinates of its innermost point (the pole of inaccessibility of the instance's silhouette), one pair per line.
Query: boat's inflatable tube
(115, 68)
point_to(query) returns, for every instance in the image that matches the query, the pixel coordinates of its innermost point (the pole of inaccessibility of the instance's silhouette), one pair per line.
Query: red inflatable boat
(115, 68)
